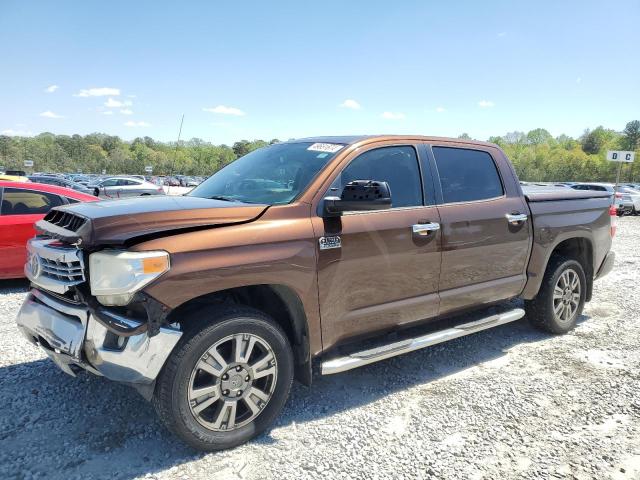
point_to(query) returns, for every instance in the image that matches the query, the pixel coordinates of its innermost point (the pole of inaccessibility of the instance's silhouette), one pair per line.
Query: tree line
(536, 155)
(99, 152)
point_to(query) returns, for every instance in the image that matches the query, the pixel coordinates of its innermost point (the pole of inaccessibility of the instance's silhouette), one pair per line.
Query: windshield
(271, 175)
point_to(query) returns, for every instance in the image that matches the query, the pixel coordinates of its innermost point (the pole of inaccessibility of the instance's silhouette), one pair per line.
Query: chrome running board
(358, 359)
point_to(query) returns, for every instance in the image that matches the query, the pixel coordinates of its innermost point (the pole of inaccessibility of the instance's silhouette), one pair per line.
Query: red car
(21, 205)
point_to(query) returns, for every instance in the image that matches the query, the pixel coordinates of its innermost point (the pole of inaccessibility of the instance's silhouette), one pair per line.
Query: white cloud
(131, 123)
(440, 109)
(485, 104)
(393, 115)
(579, 80)
(108, 112)
(350, 103)
(98, 92)
(111, 103)
(50, 114)
(126, 111)
(132, 96)
(17, 133)
(225, 110)
(51, 88)
(502, 34)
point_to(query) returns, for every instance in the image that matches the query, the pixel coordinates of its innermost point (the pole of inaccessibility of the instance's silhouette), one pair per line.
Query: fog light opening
(114, 342)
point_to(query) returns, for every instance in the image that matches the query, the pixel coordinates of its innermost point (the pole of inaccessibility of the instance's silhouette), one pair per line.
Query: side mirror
(359, 195)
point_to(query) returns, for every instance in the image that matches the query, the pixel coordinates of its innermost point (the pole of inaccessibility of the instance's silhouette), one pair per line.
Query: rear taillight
(613, 216)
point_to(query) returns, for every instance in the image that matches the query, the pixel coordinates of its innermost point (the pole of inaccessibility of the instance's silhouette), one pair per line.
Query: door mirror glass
(359, 195)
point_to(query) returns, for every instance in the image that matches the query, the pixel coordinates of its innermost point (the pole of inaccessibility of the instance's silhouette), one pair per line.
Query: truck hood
(117, 222)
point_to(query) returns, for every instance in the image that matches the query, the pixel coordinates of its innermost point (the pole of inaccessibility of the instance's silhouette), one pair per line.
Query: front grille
(65, 220)
(53, 265)
(65, 271)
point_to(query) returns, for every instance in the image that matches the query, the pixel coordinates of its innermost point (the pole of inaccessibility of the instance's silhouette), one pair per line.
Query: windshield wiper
(223, 198)
(230, 199)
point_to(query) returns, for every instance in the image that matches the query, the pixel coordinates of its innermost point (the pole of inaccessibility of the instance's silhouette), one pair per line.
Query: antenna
(175, 154)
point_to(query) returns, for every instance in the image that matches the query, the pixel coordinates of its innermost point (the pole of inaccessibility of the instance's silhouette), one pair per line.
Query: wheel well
(579, 249)
(278, 301)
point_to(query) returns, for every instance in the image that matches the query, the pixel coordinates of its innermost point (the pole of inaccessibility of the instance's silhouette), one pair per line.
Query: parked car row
(60, 181)
(182, 181)
(80, 181)
(626, 197)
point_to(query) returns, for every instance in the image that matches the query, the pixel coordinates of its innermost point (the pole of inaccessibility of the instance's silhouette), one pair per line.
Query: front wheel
(227, 380)
(561, 298)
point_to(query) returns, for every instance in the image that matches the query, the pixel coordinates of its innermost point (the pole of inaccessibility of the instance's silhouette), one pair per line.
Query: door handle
(516, 218)
(425, 228)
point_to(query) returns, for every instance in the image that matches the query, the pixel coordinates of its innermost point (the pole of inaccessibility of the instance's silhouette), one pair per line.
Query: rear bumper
(623, 205)
(607, 265)
(74, 339)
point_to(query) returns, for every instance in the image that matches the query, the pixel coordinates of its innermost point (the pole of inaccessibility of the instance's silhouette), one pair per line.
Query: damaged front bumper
(73, 338)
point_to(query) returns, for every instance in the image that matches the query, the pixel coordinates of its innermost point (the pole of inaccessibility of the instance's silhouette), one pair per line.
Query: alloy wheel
(566, 296)
(232, 382)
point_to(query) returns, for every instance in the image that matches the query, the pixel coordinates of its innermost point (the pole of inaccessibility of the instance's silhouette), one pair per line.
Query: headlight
(117, 275)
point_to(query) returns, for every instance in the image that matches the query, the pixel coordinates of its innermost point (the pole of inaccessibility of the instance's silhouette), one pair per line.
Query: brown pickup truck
(331, 252)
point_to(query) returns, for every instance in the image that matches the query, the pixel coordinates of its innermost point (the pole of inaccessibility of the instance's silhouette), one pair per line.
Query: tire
(178, 393)
(542, 310)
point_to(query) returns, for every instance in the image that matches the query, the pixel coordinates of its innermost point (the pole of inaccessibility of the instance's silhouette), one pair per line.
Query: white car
(119, 187)
(622, 200)
(634, 195)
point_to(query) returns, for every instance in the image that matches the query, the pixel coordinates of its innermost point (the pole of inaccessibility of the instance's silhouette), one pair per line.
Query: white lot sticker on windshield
(325, 147)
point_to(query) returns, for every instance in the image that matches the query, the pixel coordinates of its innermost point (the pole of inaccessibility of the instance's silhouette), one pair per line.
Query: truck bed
(560, 214)
(550, 194)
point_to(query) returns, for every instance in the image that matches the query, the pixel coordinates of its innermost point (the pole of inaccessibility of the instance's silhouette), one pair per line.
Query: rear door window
(18, 201)
(467, 175)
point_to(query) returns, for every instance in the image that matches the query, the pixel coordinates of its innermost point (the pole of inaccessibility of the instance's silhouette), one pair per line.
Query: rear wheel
(227, 380)
(561, 298)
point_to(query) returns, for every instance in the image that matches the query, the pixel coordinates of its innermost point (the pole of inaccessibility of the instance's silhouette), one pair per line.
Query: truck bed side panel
(555, 221)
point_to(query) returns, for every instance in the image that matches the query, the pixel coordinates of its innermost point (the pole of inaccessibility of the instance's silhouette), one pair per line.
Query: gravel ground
(505, 403)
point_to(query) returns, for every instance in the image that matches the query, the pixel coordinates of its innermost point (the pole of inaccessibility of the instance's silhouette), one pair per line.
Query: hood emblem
(35, 267)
